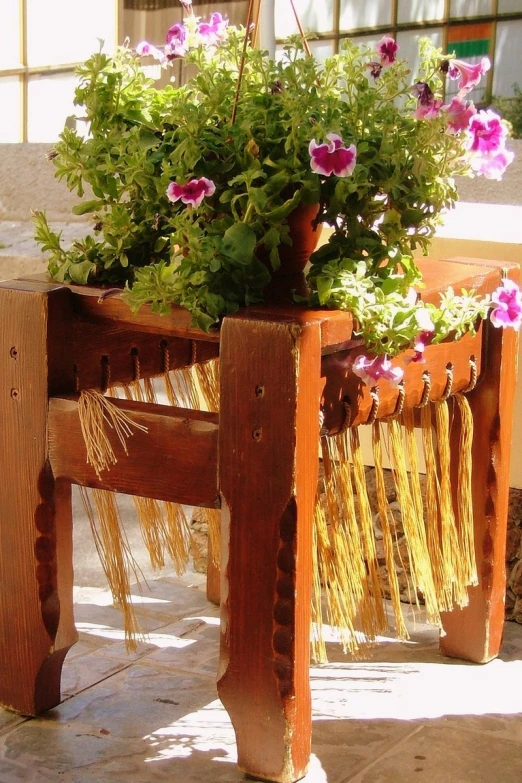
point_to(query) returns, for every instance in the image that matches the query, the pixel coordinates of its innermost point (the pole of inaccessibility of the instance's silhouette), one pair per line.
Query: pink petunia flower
(176, 45)
(458, 114)
(419, 346)
(387, 49)
(371, 371)
(145, 49)
(492, 166)
(508, 310)
(213, 31)
(192, 193)
(332, 157)
(470, 74)
(486, 133)
(428, 107)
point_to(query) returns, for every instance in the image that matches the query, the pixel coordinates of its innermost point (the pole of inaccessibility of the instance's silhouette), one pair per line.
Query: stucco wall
(27, 182)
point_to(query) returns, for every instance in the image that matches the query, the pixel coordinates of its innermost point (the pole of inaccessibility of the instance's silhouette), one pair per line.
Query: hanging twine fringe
(115, 556)
(353, 570)
(96, 413)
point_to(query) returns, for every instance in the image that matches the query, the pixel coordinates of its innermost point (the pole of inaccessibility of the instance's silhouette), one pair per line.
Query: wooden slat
(36, 579)
(176, 459)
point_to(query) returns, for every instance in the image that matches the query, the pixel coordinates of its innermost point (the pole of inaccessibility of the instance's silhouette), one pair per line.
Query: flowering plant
(193, 185)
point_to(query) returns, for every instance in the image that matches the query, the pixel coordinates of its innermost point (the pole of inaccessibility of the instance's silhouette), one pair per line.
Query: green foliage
(218, 257)
(511, 110)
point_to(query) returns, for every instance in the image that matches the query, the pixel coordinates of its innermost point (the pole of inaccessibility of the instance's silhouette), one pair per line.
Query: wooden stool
(257, 460)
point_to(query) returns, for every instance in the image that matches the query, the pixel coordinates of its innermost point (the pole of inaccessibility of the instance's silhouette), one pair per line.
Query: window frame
(336, 36)
(24, 72)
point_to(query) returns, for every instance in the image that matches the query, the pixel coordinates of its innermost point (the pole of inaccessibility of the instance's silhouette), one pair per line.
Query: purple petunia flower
(486, 132)
(192, 193)
(458, 114)
(213, 31)
(145, 49)
(428, 107)
(494, 165)
(370, 371)
(508, 310)
(470, 74)
(387, 49)
(332, 157)
(176, 45)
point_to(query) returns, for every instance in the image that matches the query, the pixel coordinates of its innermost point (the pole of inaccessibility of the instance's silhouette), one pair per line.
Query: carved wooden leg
(268, 451)
(36, 617)
(475, 632)
(213, 576)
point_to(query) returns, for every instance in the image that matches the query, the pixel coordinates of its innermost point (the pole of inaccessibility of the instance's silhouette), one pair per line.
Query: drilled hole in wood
(260, 391)
(134, 351)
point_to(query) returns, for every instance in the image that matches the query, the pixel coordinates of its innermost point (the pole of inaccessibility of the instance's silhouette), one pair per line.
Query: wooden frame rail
(174, 460)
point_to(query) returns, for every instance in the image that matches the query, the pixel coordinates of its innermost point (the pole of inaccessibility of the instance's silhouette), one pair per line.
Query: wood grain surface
(269, 431)
(175, 459)
(36, 617)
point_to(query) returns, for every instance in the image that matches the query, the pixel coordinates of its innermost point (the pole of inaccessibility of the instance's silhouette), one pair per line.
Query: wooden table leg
(475, 632)
(269, 432)
(36, 616)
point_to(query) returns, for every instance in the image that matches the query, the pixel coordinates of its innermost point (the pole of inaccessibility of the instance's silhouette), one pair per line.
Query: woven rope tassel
(451, 554)
(420, 566)
(385, 517)
(115, 556)
(96, 413)
(464, 492)
(433, 512)
(340, 556)
(380, 621)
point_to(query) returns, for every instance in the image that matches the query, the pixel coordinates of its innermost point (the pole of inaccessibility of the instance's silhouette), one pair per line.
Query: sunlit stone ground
(405, 714)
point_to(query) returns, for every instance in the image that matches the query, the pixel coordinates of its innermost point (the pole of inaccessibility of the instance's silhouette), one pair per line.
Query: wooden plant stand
(257, 460)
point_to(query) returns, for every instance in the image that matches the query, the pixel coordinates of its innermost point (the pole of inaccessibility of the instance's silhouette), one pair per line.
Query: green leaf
(279, 213)
(79, 273)
(238, 243)
(160, 244)
(324, 286)
(87, 206)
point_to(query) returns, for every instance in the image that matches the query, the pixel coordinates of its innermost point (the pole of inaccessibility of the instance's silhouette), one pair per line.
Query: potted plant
(202, 190)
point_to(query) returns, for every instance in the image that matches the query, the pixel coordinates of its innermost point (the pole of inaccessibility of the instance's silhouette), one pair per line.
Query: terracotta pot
(304, 235)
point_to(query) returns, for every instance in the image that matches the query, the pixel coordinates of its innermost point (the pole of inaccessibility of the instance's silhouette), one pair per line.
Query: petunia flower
(176, 41)
(419, 346)
(375, 69)
(387, 49)
(492, 166)
(428, 107)
(145, 49)
(486, 133)
(192, 193)
(213, 31)
(470, 74)
(458, 114)
(371, 371)
(508, 301)
(332, 157)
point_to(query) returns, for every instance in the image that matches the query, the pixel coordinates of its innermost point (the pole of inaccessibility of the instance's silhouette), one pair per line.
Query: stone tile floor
(406, 714)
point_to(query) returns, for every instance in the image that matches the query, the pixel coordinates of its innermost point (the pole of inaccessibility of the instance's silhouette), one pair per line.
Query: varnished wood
(176, 459)
(475, 632)
(269, 431)
(104, 350)
(342, 385)
(36, 618)
(213, 575)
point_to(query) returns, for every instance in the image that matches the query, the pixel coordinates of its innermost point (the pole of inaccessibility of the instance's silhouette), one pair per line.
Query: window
(471, 28)
(42, 43)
